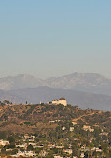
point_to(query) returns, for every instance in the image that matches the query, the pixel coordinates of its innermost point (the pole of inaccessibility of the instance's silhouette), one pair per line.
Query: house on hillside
(69, 151)
(88, 128)
(71, 129)
(4, 142)
(43, 153)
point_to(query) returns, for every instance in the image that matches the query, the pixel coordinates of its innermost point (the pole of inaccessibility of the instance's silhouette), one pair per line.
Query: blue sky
(55, 37)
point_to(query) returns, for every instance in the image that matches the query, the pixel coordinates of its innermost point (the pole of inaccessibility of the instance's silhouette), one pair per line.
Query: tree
(30, 147)
(7, 102)
(11, 139)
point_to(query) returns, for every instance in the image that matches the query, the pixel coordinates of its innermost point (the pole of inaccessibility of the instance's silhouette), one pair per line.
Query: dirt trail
(76, 119)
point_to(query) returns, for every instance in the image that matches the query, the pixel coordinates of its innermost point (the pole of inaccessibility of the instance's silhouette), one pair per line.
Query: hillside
(54, 129)
(27, 118)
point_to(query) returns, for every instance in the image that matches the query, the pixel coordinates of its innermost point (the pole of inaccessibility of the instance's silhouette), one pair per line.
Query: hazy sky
(55, 37)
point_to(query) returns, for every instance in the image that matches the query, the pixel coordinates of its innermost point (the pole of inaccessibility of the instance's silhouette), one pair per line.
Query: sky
(48, 38)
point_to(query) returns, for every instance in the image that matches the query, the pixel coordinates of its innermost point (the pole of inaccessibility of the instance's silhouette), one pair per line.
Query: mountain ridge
(44, 94)
(79, 81)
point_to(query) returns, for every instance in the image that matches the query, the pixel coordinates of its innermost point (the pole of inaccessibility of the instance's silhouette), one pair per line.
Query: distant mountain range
(89, 82)
(85, 89)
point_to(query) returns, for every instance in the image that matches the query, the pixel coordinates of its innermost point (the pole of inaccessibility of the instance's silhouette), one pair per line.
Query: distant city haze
(55, 38)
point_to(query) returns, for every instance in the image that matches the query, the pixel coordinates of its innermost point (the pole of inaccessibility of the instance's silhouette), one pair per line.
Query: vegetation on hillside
(87, 131)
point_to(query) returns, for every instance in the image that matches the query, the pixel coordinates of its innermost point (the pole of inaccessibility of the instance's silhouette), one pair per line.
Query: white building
(82, 155)
(88, 128)
(43, 153)
(63, 128)
(69, 151)
(4, 142)
(58, 156)
(74, 123)
(71, 129)
(24, 145)
(24, 153)
(60, 101)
